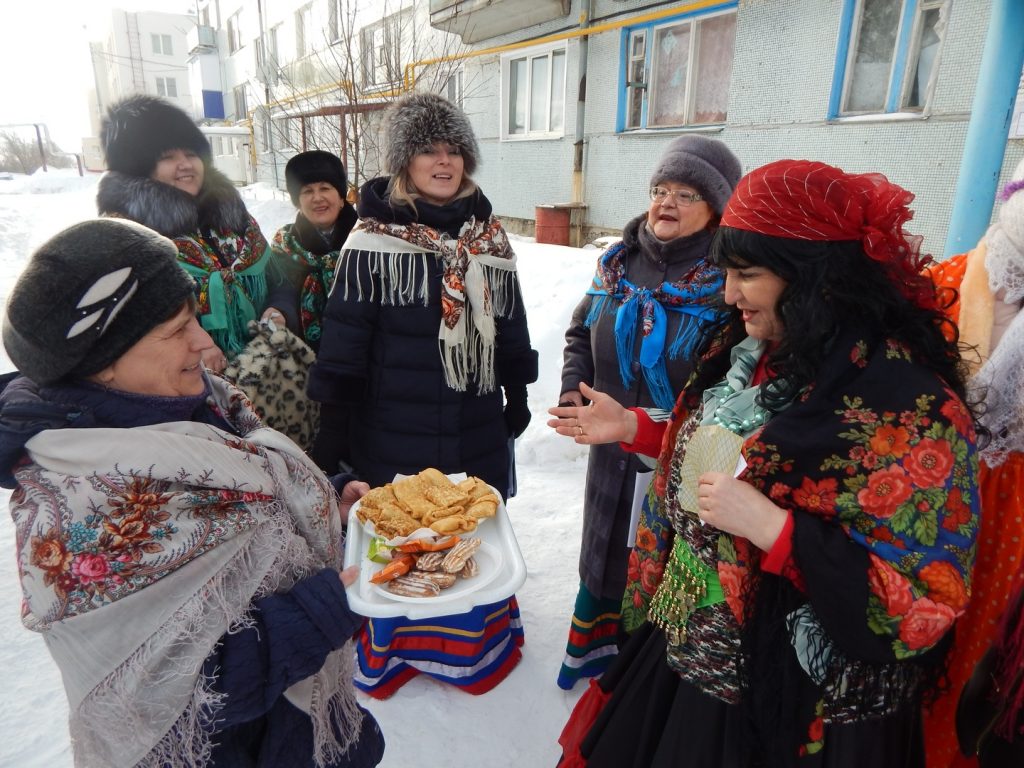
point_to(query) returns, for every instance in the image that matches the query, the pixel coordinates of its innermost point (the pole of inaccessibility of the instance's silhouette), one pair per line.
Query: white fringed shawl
(478, 286)
(139, 548)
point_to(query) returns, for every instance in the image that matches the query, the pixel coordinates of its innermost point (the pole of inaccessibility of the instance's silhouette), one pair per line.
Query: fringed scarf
(229, 270)
(477, 286)
(139, 548)
(297, 243)
(697, 294)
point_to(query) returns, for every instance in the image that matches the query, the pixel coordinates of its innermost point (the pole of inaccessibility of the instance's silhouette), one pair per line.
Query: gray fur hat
(138, 129)
(87, 295)
(705, 164)
(416, 122)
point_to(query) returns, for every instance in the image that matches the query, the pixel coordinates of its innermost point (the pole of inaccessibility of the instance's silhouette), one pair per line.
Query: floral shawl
(478, 284)
(697, 294)
(893, 467)
(319, 277)
(139, 548)
(231, 286)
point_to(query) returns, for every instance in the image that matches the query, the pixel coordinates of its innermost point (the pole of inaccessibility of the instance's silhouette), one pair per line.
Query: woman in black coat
(425, 343)
(305, 254)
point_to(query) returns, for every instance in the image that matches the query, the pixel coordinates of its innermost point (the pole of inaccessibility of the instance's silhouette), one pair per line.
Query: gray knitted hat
(87, 295)
(705, 164)
(416, 122)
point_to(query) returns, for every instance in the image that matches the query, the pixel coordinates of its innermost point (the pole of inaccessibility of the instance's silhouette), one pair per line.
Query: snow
(426, 723)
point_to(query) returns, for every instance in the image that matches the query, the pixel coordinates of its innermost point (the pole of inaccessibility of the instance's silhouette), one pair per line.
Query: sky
(518, 723)
(44, 57)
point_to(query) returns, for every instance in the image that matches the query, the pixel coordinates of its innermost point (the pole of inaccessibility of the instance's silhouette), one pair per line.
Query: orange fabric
(997, 573)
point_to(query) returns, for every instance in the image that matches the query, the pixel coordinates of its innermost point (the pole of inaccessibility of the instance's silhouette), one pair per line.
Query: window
(381, 47)
(333, 27)
(162, 45)
(273, 35)
(303, 31)
(888, 56)
(453, 87)
(677, 73)
(167, 86)
(533, 88)
(234, 32)
(241, 110)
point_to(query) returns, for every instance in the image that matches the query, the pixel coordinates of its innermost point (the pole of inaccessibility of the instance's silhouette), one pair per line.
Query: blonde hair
(401, 189)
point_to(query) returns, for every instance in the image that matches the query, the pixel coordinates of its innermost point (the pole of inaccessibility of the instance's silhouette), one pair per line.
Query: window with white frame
(677, 73)
(890, 56)
(273, 36)
(167, 86)
(304, 31)
(162, 45)
(453, 87)
(380, 45)
(533, 93)
(234, 32)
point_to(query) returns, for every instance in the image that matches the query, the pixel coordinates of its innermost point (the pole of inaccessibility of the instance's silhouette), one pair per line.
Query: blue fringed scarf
(696, 294)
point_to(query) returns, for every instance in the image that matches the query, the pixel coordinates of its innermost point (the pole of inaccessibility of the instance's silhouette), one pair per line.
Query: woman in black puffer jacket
(425, 343)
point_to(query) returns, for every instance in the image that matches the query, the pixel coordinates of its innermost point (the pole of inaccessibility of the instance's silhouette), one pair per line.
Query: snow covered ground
(426, 724)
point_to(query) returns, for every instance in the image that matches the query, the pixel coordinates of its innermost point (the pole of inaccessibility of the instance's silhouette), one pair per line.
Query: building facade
(573, 100)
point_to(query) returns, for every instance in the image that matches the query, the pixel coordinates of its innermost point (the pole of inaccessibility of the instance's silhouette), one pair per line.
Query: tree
(21, 155)
(333, 97)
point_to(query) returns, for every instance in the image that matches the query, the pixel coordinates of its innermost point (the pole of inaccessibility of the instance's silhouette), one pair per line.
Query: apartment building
(572, 100)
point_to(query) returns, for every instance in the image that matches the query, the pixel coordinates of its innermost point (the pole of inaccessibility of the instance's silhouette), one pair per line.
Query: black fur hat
(311, 167)
(416, 122)
(87, 295)
(138, 129)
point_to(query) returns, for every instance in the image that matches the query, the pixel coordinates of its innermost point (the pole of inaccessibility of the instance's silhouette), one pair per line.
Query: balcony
(201, 39)
(476, 20)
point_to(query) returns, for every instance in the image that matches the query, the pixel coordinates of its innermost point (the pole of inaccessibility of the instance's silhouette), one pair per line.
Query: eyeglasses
(679, 197)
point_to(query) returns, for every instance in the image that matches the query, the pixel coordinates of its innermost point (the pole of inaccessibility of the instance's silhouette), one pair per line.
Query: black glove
(517, 414)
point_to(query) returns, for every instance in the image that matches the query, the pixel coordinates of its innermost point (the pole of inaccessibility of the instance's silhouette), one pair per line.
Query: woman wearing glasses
(634, 335)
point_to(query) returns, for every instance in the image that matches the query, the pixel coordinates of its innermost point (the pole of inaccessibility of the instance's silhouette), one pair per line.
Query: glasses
(679, 197)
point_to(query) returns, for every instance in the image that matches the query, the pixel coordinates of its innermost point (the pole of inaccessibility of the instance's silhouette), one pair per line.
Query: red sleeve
(779, 559)
(648, 435)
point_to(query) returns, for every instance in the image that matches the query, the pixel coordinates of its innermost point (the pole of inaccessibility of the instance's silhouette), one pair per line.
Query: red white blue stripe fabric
(473, 651)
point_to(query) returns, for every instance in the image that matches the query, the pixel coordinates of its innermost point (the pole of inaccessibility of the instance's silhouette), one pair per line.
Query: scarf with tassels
(288, 244)
(140, 548)
(229, 270)
(477, 286)
(696, 294)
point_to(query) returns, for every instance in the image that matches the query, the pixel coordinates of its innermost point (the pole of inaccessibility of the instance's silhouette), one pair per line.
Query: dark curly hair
(830, 286)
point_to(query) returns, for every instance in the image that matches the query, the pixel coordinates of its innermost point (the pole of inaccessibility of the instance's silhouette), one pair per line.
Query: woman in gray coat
(634, 335)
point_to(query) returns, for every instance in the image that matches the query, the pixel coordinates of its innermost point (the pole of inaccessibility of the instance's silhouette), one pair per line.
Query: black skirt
(655, 719)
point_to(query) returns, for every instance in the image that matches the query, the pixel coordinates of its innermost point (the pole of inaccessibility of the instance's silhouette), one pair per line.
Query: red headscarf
(807, 200)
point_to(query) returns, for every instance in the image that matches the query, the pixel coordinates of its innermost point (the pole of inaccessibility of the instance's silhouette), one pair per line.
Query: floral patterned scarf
(315, 286)
(228, 268)
(696, 294)
(478, 285)
(894, 467)
(139, 548)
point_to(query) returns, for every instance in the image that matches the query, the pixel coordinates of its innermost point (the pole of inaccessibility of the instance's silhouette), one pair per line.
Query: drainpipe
(586, 12)
(989, 127)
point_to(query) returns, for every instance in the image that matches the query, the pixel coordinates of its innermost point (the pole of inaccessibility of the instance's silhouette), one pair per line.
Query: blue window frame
(675, 72)
(887, 56)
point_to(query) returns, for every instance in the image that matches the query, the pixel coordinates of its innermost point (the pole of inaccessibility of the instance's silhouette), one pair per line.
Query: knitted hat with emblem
(87, 295)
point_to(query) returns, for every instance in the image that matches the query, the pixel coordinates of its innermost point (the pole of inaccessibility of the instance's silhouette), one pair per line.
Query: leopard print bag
(272, 370)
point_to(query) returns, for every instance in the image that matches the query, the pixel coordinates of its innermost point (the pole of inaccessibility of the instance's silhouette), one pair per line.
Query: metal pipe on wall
(989, 127)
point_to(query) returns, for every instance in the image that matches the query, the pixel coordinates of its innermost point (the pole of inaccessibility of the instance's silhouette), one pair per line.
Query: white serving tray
(502, 567)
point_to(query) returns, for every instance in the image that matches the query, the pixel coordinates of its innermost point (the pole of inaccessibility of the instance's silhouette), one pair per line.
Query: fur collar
(170, 211)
